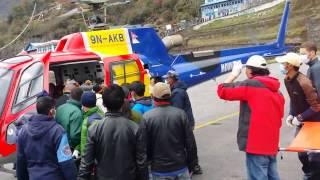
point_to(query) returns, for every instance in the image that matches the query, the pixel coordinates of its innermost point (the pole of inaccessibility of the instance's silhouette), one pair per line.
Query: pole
(105, 13)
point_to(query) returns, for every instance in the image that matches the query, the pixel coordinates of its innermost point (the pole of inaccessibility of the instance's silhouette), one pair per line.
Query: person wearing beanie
(165, 127)
(91, 113)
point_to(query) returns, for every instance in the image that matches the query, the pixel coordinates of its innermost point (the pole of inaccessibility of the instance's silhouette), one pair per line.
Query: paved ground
(218, 152)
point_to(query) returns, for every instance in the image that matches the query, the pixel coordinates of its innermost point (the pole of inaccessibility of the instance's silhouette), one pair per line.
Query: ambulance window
(124, 72)
(5, 81)
(18, 59)
(30, 85)
(36, 86)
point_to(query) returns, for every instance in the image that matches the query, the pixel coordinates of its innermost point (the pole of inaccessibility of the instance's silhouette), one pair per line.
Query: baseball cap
(172, 74)
(290, 58)
(257, 61)
(160, 90)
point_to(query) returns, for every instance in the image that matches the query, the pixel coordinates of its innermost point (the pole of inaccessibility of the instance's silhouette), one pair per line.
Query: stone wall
(313, 30)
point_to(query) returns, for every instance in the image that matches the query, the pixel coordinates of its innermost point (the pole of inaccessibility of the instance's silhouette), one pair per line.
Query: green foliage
(41, 29)
(156, 11)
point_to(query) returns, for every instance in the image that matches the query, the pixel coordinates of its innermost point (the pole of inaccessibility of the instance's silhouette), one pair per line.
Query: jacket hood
(74, 102)
(313, 62)
(270, 82)
(92, 111)
(144, 101)
(39, 125)
(180, 85)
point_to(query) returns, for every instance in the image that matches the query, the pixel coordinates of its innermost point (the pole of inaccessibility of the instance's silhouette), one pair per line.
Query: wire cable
(25, 28)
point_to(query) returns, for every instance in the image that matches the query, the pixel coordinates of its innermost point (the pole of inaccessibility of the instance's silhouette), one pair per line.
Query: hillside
(48, 25)
(257, 28)
(248, 29)
(6, 7)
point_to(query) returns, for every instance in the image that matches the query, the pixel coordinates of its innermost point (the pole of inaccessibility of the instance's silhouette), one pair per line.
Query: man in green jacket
(70, 117)
(91, 114)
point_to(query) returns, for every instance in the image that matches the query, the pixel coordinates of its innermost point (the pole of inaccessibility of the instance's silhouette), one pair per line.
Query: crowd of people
(114, 132)
(118, 133)
(262, 109)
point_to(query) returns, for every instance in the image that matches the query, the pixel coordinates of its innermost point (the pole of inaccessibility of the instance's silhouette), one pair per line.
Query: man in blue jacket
(43, 151)
(141, 104)
(179, 97)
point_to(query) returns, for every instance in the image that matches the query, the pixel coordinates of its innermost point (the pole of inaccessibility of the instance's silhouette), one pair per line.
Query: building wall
(213, 1)
(218, 8)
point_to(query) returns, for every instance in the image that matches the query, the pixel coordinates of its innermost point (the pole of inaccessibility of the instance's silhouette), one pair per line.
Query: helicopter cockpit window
(31, 84)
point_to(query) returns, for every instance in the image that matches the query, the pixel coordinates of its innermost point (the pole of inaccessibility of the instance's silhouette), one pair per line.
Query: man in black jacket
(180, 99)
(111, 143)
(165, 138)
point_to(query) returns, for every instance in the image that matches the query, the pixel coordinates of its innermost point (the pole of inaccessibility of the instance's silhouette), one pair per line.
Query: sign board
(108, 43)
(168, 27)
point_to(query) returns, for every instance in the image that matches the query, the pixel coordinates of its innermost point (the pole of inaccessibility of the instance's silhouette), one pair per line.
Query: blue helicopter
(196, 67)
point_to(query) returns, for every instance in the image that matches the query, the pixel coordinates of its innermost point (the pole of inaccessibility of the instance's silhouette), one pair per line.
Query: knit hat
(89, 99)
(161, 90)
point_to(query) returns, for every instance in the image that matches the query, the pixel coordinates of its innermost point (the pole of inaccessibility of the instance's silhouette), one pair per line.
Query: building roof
(215, 2)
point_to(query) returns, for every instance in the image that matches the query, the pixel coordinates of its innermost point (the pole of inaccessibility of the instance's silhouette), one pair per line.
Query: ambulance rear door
(123, 70)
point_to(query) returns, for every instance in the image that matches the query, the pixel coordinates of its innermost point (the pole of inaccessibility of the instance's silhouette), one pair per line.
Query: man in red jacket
(261, 112)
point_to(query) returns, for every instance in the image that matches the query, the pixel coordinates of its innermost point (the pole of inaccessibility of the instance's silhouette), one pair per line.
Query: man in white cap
(165, 138)
(261, 112)
(304, 106)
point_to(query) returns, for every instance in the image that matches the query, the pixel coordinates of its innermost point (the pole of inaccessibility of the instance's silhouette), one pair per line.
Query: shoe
(197, 170)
